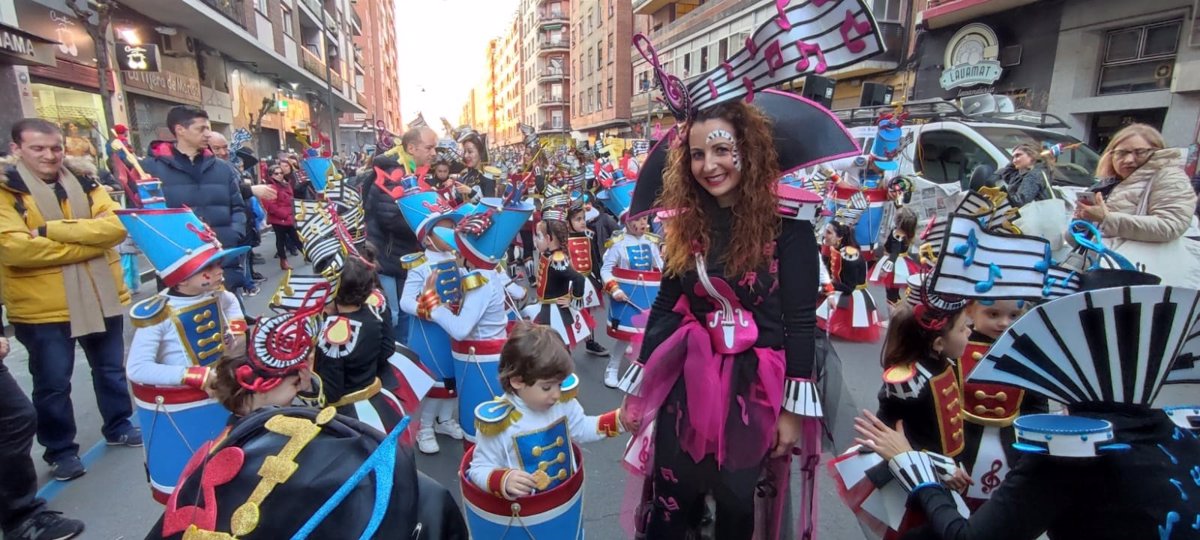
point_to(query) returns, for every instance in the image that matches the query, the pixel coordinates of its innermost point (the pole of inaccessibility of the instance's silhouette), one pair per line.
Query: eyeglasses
(1140, 153)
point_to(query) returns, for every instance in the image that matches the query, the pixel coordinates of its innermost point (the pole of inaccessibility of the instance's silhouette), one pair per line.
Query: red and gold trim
(609, 424)
(426, 303)
(195, 377)
(947, 401)
(611, 286)
(238, 326)
(495, 482)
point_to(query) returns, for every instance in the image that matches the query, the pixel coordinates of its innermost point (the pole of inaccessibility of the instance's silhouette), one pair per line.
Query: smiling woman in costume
(717, 394)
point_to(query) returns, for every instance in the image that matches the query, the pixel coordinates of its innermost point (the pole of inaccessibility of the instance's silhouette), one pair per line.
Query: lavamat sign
(972, 58)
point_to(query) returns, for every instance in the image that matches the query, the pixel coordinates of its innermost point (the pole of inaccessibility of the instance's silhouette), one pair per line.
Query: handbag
(1176, 261)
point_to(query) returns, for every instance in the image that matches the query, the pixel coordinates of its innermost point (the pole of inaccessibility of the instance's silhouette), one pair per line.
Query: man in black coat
(193, 177)
(386, 228)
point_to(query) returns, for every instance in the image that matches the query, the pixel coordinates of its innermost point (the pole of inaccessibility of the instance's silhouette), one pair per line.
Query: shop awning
(23, 48)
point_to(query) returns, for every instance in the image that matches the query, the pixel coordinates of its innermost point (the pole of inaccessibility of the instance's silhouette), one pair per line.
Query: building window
(599, 56)
(888, 10)
(704, 59)
(589, 62)
(261, 6)
(610, 8)
(687, 64)
(723, 48)
(610, 92)
(287, 20)
(610, 48)
(591, 100)
(1140, 58)
(599, 97)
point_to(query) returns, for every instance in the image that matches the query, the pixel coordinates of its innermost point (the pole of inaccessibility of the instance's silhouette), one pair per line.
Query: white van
(948, 144)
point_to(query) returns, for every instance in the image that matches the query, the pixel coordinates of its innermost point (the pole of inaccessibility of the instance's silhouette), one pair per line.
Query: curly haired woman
(729, 343)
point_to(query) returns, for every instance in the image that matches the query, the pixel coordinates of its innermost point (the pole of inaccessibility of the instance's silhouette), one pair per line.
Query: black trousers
(680, 485)
(286, 238)
(18, 480)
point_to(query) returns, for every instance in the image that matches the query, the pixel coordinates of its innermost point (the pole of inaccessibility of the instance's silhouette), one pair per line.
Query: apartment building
(602, 34)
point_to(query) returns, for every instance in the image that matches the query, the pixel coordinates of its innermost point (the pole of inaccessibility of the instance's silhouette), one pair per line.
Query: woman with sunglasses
(281, 217)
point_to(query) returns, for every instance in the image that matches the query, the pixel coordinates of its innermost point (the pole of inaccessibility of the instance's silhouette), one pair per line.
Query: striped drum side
(175, 422)
(557, 513)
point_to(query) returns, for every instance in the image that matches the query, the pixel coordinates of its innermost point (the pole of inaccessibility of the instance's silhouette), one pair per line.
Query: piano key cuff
(631, 382)
(800, 397)
(914, 470)
(943, 466)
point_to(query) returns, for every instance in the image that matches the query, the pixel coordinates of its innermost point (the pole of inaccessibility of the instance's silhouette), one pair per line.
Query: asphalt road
(114, 501)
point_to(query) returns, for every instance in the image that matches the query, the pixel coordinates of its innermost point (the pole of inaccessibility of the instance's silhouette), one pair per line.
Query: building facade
(546, 79)
(373, 24)
(602, 72)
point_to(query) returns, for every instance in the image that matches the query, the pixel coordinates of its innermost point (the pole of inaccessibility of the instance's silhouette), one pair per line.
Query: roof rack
(935, 110)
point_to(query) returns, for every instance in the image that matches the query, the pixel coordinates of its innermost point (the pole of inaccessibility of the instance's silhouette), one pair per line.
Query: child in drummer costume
(990, 409)
(423, 210)
(632, 263)
(352, 349)
(585, 259)
(470, 303)
(527, 436)
(1116, 467)
(893, 269)
(180, 334)
(921, 392)
(560, 288)
(848, 312)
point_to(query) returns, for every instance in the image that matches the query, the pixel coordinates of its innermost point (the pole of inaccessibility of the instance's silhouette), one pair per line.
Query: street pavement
(113, 498)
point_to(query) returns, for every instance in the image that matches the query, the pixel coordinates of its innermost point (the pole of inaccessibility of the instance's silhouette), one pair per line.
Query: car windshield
(1075, 167)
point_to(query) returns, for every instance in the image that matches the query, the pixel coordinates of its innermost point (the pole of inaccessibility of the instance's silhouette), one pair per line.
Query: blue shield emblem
(546, 451)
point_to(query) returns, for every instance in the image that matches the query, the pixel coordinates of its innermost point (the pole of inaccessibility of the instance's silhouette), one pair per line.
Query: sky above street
(442, 46)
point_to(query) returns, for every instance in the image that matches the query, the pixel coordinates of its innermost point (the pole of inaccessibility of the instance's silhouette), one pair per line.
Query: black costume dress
(556, 279)
(351, 355)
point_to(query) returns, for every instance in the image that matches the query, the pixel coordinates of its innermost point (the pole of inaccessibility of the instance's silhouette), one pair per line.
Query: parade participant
(585, 259)
(722, 260)
(527, 437)
(989, 410)
(423, 210)
(475, 157)
(921, 392)
(181, 333)
(1115, 467)
(893, 269)
(632, 265)
(322, 492)
(560, 288)
(353, 348)
(281, 216)
(849, 311)
(450, 189)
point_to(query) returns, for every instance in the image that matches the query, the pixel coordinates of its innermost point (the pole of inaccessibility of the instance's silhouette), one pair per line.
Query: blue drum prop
(641, 286)
(432, 345)
(484, 236)
(1065, 436)
(866, 232)
(176, 421)
(476, 372)
(618, 198)
(554, 513)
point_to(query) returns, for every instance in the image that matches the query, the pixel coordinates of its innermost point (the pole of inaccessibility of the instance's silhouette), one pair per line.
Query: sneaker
(67, 469)
(611, 378)
(449, 428)
(131, 438)
(257, 277)
(46, 525)
(250, 293)
(427, 441)
(594, 348)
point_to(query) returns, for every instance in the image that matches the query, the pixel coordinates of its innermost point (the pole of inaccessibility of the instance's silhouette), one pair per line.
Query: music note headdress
(556, 202)
(807, 37)
(280, 345)
(932, 310)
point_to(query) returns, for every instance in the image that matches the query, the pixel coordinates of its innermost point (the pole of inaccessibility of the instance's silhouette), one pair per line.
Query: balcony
(553, 45)
(552, 16)
(649, 7)
(231, 9)
(312, 63)
(551, 75)
(361, 99)
(942, 13)
(552, 127)
(551, 101)
(356, 23)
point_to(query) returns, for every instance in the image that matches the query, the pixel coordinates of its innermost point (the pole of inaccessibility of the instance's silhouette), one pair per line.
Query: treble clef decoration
(674, 92)
(991, 479)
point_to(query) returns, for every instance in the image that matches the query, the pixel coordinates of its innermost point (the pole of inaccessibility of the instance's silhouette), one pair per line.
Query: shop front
(19, 48)
(66, 92)
(999, 53)
(151, 95)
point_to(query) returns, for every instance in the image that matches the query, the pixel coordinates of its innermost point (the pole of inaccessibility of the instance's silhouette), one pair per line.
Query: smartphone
(1085, 198)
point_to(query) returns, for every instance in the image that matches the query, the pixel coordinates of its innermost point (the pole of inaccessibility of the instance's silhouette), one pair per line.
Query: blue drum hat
(319, 170)
(175, 241)
(483, 238)
(887, 142)
(424, 209)
(618, 198)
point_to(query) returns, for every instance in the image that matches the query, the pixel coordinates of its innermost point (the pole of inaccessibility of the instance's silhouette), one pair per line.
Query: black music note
(852, 25)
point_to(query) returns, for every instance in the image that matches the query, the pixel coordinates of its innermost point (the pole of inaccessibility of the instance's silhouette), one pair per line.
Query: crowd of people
(481, 270)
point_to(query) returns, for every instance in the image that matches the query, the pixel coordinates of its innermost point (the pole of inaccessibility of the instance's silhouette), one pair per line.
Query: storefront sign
(137, 57)
(25, 48)
(972, 58)
(164, 85)
(74, 44)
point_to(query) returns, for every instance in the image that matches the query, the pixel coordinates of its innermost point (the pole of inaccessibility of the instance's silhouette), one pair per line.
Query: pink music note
(820, 3)
(782, 19)
(712, 89)
(728, 71)
(853, 25)
(749, 84)
(774, 56)
(669, 475)
(752, 47)
(805, 49)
